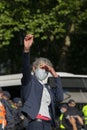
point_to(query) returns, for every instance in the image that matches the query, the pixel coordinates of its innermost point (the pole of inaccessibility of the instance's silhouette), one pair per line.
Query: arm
(58, 90)
(73, 122)
(28, 40)
(26, 68)
(80, 119)
(55, 83)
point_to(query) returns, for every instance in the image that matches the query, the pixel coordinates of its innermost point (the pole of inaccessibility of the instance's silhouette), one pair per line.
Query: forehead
(41, 62)
(64, 107)
(38, 63)
(73, 103)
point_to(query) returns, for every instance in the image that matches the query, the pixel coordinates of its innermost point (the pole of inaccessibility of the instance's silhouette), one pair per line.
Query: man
(62, 122)
(38, 97)
(74, 112)
(6, 95)
(9, 111)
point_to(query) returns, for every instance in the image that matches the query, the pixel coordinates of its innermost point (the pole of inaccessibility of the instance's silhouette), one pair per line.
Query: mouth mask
(61, 111)
(41, 74)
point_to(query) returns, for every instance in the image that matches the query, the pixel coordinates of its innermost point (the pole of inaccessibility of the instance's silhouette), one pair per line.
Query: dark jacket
(32, 89)
(9, 115)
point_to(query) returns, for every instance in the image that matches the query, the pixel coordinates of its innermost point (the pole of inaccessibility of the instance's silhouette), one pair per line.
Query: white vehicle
(75, 86)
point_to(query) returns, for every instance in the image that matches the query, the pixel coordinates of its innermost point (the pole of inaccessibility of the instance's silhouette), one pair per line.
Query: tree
(53, 23)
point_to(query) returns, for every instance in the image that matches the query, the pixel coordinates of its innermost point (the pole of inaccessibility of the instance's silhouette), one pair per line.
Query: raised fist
(28, 41)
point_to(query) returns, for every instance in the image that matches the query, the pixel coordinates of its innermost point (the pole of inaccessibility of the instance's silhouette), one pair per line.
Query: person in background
(17, 104)
(21, 120)
(3, 121)
(68, 120)
(6, 95)
(37, 96)
(73, 111)
(9, 111)
(84, 111)
(62, 121)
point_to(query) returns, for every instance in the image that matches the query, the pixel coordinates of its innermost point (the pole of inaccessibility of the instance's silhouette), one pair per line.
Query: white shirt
(45, 102)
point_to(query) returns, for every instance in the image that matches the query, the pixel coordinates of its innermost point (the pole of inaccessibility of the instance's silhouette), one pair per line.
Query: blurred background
(59, 28)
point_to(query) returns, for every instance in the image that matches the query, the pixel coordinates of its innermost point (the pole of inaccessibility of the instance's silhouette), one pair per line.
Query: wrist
(74, 126)
(55, 75)
(53, 72)
(26, 50)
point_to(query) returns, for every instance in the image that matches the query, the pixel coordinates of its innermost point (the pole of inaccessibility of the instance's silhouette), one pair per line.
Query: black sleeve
(26, 69)
(56, 86)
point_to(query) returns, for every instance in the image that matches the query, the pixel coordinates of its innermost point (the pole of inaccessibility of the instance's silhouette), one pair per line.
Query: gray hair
(40, 60)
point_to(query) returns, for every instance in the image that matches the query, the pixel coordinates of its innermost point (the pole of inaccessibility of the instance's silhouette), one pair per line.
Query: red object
(39, 116)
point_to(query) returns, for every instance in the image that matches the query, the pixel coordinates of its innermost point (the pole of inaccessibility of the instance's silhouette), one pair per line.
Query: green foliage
(49, 21)
(42, 19)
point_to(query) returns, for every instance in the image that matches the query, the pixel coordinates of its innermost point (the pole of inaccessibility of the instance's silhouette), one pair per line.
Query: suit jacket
(31, 91)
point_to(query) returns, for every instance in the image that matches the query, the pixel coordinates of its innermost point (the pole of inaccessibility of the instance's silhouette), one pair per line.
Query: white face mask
(61, 111)
(41, 74)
